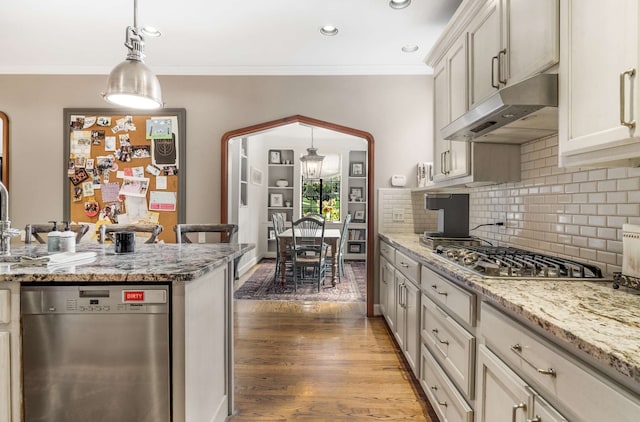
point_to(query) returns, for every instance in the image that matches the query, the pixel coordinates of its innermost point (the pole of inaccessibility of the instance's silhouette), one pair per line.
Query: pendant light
(131, 83)
(312, 162)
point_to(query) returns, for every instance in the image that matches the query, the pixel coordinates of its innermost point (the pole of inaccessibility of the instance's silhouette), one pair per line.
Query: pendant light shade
(131, 83)
(312, 162)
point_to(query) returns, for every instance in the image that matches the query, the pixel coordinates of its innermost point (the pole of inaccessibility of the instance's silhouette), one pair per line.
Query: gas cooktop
(500, 261)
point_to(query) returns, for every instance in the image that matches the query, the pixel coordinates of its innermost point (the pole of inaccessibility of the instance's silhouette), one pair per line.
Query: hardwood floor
(319, 361)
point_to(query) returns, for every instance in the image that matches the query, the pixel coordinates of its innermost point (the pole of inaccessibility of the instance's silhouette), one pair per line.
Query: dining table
(331, 237)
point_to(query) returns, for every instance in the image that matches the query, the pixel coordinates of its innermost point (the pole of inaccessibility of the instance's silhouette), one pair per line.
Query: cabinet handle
(517, 349)
(493, 73)
(442, 167)
(514, 410)
(435, 334)
(447, 160)
(632, 74)
(441, 403)
(435, 287)
(536, 419)
(502, 53)
(402, 264)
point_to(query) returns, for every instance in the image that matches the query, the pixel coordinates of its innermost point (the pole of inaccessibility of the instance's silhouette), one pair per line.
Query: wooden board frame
(167, 218)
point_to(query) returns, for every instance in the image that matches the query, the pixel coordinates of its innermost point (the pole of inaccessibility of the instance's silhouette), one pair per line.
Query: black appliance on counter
(453, 213)
(502, 261)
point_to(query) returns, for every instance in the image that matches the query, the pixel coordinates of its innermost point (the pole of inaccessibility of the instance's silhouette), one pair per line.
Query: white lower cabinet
(577, 390)
(503, 396)
(447, 402)
(5, 378)
(407, 332)
(388, 292)
(10, 388)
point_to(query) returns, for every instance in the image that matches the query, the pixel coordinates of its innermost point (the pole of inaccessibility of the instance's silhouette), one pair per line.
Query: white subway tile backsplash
(577, 213)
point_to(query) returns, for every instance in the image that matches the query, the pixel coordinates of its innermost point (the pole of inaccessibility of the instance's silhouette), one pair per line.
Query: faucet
(6, 232)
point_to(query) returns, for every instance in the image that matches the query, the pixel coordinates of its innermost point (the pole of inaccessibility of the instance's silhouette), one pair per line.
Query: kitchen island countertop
(587, 316)
(149, 263)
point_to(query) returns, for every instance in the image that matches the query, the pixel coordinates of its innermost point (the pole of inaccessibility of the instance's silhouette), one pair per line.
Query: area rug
(261, 285)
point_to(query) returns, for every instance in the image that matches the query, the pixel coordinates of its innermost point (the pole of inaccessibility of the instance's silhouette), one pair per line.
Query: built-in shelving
(356, 246)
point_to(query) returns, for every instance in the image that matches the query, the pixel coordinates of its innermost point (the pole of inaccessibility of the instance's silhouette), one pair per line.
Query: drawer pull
(435, 334)
(517, 349)
(514, 410)
(536, 419)
(402, 264)
(441, 403)
(435, 287)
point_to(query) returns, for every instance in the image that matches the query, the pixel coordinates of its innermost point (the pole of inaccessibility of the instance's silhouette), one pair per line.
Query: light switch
(398, 215)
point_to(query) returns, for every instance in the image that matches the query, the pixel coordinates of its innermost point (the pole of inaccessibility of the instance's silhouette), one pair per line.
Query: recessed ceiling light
(399, 4)
(409, 48)
(329, 30)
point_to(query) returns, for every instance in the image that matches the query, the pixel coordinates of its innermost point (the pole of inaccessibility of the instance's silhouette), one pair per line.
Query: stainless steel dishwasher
(96, 353)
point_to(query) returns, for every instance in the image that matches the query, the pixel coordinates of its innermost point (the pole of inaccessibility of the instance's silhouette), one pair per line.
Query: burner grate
(502, 261)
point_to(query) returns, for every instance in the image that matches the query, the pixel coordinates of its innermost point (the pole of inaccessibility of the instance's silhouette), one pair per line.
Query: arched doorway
(308, 121)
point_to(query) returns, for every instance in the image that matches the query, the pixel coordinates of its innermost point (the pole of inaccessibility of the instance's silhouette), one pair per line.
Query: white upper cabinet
(450, 102)
(598, 98)
(509, 41)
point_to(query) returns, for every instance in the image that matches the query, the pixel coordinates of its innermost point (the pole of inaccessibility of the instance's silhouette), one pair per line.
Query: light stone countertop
(587, 316)
(149, 263)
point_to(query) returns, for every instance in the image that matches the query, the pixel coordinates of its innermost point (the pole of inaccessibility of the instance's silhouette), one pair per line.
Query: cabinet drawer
(445, 399)
(451, 297)
(408, 267)
(555, 373)
(5, 306)
(452, 345)
(387, 251)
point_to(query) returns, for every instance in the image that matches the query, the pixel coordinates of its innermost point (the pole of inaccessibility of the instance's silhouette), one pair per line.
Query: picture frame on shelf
(275, 156)
(356, 169)
(356, 194)
(276, 200)
(355, 248)
(358, 216)
(272, 234)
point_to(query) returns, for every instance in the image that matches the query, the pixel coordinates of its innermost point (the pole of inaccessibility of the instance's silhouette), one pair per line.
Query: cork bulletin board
(125, 167)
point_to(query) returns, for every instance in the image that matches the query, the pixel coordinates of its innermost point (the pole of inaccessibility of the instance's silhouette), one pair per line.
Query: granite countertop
(589, 316)
(149, 263)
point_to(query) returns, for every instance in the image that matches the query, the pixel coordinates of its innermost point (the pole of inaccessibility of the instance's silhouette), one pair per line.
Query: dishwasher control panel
(95, 299)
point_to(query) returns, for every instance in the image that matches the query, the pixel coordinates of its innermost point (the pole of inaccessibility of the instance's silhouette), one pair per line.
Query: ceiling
(216, 37)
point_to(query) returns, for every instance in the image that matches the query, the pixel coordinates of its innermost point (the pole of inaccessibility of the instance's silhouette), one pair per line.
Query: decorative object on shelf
(355, 248)
(312, 162)
(424, 174)
(355, 194)
(256, 176)
(282, 183)
(358, 216)
(272, 234)
(276, 200)
(356, 169)
(131, 83)
(275, 157)
(287, 204)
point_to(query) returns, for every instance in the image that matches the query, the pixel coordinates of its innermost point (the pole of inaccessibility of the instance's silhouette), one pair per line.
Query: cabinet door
(412, 340)
(388, 292)
(542, 411)
(5, 377)
(401, 315)
(484, 45)
(502, 395)
(440, 118)
(591, 69)
(531, 34)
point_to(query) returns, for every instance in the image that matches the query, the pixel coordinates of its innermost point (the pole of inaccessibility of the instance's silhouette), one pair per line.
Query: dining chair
(228, 232)
(308, 250)
(33, 231)
(343, 241)
(107, 230)
(278, 228)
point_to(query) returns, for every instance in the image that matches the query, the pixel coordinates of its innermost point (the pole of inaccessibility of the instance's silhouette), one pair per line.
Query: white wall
(396, 110)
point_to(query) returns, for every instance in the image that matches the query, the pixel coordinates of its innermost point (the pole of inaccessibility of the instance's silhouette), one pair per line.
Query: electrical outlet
(202, 237)
(398, 215)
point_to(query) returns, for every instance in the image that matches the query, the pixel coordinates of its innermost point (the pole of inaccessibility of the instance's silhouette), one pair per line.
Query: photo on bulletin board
(123, 165)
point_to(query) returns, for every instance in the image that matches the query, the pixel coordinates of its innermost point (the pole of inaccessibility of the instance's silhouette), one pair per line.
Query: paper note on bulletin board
(125, 167)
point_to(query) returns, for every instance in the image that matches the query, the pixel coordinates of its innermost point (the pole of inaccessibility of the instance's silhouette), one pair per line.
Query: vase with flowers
(329, 209)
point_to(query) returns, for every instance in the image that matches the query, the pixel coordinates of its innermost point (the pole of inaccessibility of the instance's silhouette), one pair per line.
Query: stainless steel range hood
(515, 114)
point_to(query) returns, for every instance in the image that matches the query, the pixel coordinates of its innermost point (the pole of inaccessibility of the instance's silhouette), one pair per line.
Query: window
(322, 196)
